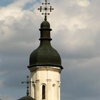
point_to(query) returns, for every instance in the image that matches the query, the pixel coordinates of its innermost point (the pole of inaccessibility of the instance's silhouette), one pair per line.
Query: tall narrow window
(43, 91)
(34, 91)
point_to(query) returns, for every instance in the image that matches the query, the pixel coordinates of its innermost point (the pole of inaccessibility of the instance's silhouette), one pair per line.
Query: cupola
(45, 54)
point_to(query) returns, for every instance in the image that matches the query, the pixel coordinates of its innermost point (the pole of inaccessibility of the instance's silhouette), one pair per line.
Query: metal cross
(27, 82)
(45, 9)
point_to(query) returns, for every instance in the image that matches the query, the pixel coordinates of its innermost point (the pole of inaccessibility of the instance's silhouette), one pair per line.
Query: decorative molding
(42, 68)
(34, 84)
(43, 84)
(48, 80)
(58, 82)
(53, 85)
(37, 81)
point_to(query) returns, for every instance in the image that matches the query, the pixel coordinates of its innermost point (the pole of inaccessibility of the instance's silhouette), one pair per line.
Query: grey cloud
(75, 36)
(81, 80)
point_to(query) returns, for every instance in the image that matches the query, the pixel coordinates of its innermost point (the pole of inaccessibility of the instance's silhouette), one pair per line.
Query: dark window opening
(43, 92)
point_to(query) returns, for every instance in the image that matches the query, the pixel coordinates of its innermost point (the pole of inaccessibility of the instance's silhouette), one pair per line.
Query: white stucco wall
(50, 78)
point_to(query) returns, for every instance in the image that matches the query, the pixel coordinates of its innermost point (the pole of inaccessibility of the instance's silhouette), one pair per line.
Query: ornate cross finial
(27, 82)
(45, 9)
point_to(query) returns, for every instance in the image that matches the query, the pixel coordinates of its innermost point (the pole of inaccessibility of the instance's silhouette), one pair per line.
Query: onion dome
(45, 25)
(26, 98)
(45, 54)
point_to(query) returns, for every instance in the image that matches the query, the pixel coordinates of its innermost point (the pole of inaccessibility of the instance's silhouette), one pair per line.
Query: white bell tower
(46, 84)
(45, 65)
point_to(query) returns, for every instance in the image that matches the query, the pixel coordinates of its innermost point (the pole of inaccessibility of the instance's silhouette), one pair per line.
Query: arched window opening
(34, 91)
(43, 91)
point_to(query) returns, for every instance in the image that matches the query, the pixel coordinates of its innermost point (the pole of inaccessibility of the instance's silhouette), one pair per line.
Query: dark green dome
(45, 24)
(26, 98)
(45, 54)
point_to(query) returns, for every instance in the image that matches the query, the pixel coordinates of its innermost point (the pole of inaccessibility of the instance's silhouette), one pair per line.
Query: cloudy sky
(76, 36)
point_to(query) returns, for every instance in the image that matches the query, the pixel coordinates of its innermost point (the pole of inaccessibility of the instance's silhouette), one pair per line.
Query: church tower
(45, 64)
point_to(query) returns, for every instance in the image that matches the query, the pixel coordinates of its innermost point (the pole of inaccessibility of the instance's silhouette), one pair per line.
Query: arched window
(43, 91)
(34, 91)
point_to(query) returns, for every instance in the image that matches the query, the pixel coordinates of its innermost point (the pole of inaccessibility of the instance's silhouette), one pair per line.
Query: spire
(44, 9)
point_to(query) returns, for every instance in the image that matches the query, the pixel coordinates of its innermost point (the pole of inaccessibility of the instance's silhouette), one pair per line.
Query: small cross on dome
(44, 9)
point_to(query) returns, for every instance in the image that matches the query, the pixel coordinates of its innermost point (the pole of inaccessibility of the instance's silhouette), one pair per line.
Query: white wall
(50, 76)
